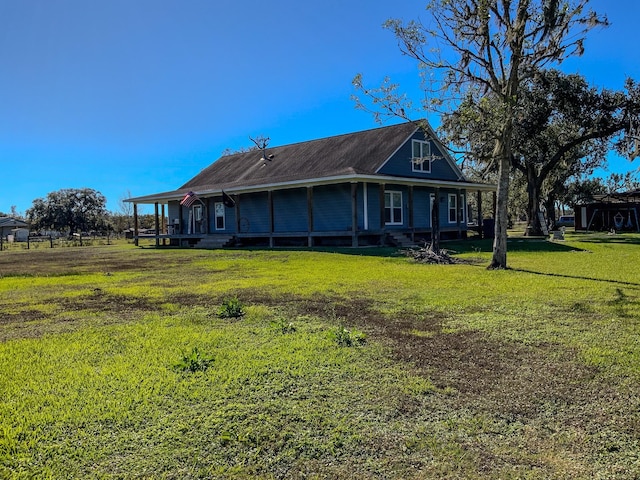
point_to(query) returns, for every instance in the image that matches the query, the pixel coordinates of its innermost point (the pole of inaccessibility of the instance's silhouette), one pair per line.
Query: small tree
(69, 210)
(126, 208)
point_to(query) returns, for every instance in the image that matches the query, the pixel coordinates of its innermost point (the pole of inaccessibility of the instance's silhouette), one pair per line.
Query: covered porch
(347, 212)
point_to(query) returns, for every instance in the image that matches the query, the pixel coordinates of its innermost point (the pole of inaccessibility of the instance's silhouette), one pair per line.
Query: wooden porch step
(401, 240)
(214, 241)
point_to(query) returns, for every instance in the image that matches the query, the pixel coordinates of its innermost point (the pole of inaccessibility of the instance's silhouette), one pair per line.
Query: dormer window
(421, 156)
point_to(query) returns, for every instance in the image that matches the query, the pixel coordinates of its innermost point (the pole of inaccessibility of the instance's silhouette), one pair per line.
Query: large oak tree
(69, 210)
(564, 129)
(473, 48)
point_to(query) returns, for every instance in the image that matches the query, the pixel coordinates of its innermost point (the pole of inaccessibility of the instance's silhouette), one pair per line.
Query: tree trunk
(534, 227)
(550, 207)
(435, 222)
(502, 152)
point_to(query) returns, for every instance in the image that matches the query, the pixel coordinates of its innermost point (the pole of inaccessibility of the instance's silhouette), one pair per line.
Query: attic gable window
(420, 156)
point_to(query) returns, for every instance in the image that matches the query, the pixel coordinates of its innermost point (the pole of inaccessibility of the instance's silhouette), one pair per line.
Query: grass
(530, 372)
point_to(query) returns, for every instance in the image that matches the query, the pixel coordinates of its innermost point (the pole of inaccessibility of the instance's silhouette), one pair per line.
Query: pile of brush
(427, 254)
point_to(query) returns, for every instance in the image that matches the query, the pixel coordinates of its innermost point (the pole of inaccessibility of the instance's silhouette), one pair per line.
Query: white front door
(198, 224)
(219, 211)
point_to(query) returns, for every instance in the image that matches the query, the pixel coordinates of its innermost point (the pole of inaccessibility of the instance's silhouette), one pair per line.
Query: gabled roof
(360, 154)
(12, 222)
(354, 153)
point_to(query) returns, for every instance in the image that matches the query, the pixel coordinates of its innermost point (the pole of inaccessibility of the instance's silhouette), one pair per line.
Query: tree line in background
(79, 210)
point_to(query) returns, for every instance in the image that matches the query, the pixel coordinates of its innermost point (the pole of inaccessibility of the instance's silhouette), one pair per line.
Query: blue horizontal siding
(400, 163)
(422, 207)
(173, 211)
(332, 208)
(373, 205)
(290, 210)
(254, 212)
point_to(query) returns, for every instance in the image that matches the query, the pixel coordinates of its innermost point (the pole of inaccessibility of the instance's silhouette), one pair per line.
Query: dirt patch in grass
(20, 316)
(351, 310)
(17, 321)
(69, 313)
(70, 260)
(511, 379)
(100, 301)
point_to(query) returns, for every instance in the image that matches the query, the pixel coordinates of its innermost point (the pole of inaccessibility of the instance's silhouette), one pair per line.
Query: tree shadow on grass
(473, 245)
(513, 245)
(603, 237)
(359, 251)
(453, 246)
(577, 277)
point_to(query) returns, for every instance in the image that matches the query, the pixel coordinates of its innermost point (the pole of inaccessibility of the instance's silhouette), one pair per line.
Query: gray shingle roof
(354, 153)
(12, 222)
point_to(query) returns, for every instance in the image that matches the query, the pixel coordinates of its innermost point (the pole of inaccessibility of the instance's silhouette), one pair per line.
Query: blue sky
(137, 96)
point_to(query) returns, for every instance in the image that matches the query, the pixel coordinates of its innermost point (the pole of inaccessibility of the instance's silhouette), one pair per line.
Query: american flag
(189, 199)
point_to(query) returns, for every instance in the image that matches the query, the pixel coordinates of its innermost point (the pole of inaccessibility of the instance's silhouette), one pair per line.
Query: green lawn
(531, 372)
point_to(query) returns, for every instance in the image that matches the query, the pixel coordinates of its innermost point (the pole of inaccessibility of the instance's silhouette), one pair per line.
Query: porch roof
(232, 188)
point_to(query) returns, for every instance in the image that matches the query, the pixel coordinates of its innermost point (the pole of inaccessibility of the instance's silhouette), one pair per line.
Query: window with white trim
(420, 156)
(453, 208)
(393, 208)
